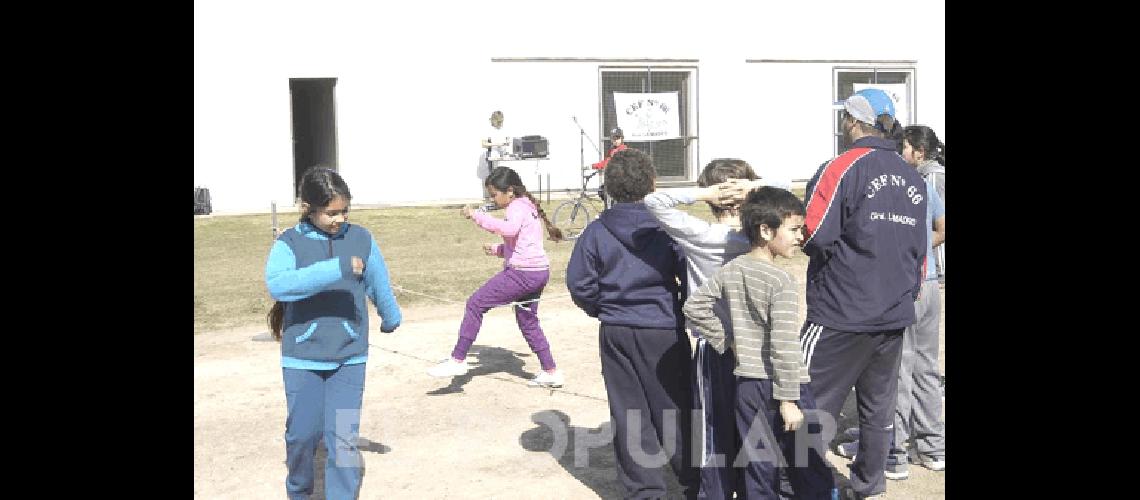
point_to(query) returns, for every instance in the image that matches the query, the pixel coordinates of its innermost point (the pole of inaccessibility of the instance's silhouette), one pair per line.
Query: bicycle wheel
(571, 217)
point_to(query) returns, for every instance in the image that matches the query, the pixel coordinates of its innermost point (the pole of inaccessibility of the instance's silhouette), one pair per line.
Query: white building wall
(416, 83)
(793, 130)
(543, 98)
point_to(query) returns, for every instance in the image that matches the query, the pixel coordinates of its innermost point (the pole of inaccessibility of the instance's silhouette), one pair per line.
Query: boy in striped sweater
(772, 385)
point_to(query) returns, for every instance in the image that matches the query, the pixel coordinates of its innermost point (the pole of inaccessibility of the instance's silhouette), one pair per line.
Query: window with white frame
(897, 81)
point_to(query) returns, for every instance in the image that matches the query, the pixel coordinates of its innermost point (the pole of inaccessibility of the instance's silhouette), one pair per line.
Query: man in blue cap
(865, 236)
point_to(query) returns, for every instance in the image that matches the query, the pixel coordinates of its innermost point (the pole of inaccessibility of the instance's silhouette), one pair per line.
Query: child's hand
(793, 417)
(465, 211)
(489, 248)
(734, 191)
(357, 266)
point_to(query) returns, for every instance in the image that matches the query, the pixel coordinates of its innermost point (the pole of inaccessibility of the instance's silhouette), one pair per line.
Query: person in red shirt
(617, 138)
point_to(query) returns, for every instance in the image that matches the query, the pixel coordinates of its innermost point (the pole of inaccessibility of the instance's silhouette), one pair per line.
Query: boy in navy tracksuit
(865, 235)
(627, 272)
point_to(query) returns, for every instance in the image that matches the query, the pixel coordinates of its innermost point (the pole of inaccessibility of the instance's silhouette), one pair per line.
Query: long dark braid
(275, 317)
(554, 233)
(923, 138)
(504, 178)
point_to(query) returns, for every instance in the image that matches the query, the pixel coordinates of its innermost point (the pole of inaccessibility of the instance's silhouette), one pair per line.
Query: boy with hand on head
(723, 184)
(772, 385)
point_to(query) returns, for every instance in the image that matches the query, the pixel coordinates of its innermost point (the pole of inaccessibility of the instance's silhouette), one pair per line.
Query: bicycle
(572, 215)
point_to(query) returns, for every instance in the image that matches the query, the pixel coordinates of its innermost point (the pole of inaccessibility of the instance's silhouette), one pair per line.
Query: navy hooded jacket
(866, 224)
(625, 270)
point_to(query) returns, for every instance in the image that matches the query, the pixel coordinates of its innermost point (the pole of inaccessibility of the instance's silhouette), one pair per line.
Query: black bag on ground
(202, 205)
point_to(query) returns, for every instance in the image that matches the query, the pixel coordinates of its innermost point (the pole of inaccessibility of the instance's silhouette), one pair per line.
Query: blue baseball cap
(866, 105)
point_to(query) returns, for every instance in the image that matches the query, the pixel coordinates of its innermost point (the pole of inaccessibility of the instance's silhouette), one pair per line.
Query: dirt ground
(482, 435)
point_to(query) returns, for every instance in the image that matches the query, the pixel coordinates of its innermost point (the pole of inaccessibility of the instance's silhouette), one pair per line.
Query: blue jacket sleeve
(938, 206)
(379, 289)
(582, 274)
(935, 209)
(289, 284)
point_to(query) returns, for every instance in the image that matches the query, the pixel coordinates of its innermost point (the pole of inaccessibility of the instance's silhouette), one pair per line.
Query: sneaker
(853, 495)
(544, 379)
(852, 433)
(895, 471)
(847, 450)
(934, 464)
(449, 368)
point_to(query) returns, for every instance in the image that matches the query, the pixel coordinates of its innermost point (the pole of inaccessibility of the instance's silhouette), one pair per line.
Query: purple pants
(508, 286)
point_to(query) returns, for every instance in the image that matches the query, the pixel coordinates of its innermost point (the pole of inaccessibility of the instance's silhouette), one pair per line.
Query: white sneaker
(544, 379)
(934, 464)
(896, 471)
(449, 368)
(852, 495)
(847, 450)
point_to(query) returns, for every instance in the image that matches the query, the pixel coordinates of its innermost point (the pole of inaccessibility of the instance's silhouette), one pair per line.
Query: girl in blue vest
(320, 272)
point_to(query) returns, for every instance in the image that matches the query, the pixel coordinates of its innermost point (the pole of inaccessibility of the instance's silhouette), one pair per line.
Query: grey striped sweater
(764, 305)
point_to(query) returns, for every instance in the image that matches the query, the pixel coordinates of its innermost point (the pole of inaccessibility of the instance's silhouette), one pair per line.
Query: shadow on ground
(592, 449)
(488, 360)
(586, 453)
(322, 457)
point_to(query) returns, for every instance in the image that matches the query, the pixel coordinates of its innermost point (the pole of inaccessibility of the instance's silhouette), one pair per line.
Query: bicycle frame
(574, 214)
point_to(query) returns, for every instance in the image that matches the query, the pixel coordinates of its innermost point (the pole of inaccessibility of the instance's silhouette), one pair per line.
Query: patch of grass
(431, 250)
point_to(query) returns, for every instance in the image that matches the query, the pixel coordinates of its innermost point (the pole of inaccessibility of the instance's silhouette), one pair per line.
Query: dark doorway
(314, 125)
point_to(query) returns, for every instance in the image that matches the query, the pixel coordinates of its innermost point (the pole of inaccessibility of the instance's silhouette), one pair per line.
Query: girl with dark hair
(526, 269)
(918, 409)
(930, 154)
(320, 272)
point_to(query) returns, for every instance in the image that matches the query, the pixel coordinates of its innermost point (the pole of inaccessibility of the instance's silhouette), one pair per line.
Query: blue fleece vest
(333, 324)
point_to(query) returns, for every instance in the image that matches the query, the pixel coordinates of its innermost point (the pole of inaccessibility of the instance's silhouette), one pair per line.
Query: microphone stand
(582, 136)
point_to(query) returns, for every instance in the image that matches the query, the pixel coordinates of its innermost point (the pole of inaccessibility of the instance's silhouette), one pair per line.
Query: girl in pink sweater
(526, 269)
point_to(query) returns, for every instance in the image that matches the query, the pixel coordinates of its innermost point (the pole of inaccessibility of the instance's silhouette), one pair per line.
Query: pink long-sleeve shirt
(522, 233)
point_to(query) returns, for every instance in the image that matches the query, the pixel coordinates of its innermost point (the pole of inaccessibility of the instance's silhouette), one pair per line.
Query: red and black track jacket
(866, 239)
